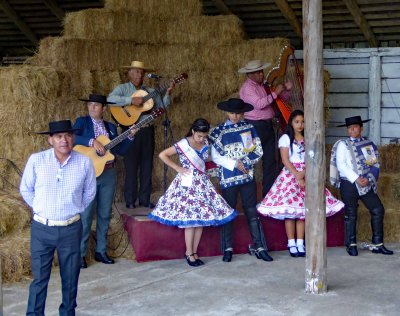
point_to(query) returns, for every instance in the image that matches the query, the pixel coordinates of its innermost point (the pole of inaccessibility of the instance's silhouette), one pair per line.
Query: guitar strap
(107, 128)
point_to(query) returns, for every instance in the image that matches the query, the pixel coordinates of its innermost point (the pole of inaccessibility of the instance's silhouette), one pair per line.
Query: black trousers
(248, 193)
(265, 131)
(139, 165)
(372, 202)
(45, 240)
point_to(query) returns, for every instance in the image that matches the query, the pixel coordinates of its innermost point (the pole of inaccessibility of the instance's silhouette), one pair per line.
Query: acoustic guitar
(129, 114)
(99, 162)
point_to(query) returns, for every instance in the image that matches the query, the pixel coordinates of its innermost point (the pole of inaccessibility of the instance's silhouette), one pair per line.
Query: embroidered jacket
(232, 142)
(351, 158)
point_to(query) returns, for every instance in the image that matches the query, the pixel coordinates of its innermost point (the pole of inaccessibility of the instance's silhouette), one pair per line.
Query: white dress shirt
(344, 163)
(58, 191)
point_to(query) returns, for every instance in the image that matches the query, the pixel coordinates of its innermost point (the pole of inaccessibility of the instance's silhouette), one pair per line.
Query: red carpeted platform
(154, 241)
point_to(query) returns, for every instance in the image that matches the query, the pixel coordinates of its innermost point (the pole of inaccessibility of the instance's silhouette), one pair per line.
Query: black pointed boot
(350, 222)
(377, 215)
(257, 235)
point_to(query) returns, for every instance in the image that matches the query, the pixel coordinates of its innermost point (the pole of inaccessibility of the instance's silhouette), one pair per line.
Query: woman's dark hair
(199, 125)
(289, 128)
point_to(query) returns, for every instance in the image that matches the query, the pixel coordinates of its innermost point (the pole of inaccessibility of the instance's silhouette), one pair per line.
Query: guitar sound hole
(126, 112)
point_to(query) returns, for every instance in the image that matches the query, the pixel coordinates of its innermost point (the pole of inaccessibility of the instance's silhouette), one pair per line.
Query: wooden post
(1, 289)
(375, 98)
(316, 264)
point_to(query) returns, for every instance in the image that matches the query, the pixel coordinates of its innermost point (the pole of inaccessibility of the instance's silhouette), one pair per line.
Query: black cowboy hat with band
(64, 126)
(235, 106)
(98, 98)
(353, 120)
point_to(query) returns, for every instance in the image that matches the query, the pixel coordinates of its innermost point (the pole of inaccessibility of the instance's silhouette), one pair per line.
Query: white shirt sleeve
(343, 161)
(225, 162)
(284, 141)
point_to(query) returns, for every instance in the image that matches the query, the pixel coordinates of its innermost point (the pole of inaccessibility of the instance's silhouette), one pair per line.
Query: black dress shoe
(83, 263)
(102, 257)
(382, 249)
(199, 262)
(227, 256)
(352, 251)
(130, 205)
(293, 254)
(150, 205)
(261, 253)
(301, 253)
(191, 263)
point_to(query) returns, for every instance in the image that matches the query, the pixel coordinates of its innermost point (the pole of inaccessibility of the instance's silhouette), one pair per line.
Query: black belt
(109, 165)
(258, 122)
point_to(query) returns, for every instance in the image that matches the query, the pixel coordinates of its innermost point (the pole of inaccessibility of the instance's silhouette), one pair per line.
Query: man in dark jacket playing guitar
(91, 130)
(140, 155)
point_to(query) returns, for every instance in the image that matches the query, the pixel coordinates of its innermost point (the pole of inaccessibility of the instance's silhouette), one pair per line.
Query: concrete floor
(365, 285)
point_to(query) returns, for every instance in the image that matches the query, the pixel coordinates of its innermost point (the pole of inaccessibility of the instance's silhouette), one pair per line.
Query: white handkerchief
(186, 179)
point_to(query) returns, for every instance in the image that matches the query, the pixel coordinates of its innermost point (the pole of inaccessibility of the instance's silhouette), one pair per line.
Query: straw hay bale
(101, 24)
(15, 256)
(28, 83)
(165, 9)
(78, 54)
(389, 156)
(14, 214)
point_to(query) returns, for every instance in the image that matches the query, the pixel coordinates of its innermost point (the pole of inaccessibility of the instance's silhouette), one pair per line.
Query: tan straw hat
(253, 65)
(137, 64)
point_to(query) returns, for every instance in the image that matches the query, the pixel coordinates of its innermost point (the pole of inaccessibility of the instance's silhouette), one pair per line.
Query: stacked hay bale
(209, 49)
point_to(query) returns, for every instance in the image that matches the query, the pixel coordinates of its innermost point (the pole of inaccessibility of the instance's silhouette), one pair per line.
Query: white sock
(300, 245)
(292, 246)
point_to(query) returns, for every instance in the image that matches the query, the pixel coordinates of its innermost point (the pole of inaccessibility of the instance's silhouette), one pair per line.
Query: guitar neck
(156, 92)
(125, 134)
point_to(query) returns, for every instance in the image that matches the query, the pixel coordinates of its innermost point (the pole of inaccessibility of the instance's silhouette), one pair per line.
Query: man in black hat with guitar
(58, 184)
(92, 135)
(355, 170)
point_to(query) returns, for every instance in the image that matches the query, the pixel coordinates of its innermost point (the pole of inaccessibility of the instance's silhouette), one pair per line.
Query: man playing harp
(254, 92)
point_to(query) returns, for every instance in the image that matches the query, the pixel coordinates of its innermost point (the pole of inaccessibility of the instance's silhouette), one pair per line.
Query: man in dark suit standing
(88, 128)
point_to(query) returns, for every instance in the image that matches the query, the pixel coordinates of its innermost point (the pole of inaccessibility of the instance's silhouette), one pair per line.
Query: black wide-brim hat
(64, 126)
(353, 120)
(235, 106)
(98, 98)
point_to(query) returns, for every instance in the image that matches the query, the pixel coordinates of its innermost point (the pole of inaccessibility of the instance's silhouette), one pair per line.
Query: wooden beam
(13, 15)
(222, 7)
(316, 259)
(361, 21)
(55, 8)
(375, 98)
(290, 16)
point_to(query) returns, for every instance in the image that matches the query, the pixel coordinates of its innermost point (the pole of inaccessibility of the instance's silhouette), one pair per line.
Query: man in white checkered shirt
(58, 184)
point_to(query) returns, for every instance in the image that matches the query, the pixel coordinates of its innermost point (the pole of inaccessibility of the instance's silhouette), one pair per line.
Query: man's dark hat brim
(97, 98)
(64, 126)
(235, 106)
(353, 120)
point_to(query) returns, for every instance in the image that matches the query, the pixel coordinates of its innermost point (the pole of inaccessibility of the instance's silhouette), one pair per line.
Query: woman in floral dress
(285, 200)
(191, 200)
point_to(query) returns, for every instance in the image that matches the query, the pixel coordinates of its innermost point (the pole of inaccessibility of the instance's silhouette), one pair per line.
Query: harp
(287, 69)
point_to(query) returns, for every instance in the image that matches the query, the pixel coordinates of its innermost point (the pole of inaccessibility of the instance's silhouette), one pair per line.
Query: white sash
(191, 155)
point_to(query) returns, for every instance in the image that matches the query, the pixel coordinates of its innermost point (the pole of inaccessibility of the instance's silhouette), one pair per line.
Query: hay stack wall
(209, 49)
(169, 35)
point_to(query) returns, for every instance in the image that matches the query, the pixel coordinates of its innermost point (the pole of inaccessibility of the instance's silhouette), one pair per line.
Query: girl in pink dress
(285, 200)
